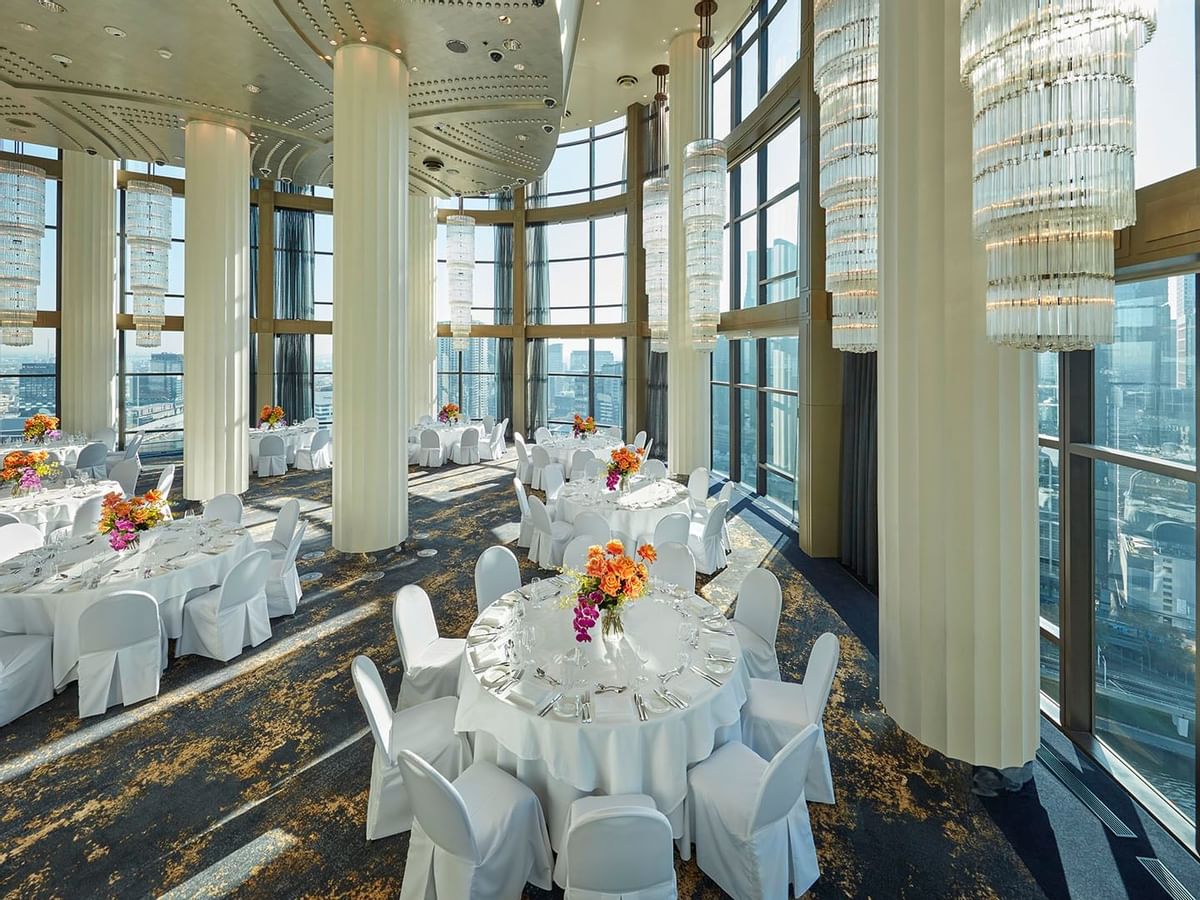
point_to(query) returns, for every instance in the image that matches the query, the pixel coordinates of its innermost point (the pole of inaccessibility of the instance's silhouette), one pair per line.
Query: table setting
(54, 506)
(634, 511)
(562, 447)
(294, 437)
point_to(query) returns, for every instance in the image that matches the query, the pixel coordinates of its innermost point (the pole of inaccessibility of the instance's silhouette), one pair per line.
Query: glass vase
(611, 627)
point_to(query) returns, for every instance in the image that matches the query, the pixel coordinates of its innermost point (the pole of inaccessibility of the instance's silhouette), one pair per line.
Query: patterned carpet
(250, 779)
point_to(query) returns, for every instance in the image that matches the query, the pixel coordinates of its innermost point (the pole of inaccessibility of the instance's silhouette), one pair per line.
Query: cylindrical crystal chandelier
(846, 74)
(704, 172)
(656, 203)
(460, 275)
(22, 224)
(148, 235)
(1053, 159)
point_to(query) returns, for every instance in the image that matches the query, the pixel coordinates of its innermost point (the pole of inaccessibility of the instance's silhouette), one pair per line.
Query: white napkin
(486, 656)
(495, 616)
(528, 695)
(613, 707)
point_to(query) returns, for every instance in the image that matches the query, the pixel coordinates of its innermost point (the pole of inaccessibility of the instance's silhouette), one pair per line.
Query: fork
(586, 709)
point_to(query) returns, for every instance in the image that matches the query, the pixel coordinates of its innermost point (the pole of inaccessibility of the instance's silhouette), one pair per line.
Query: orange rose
(625, 567)
(610, 584)
(634, 588)
(596, 566)
(615, 547)
(647, 552)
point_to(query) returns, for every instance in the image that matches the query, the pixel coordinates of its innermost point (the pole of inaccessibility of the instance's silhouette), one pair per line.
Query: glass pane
(783, 160)
(1048, 533)
(568, 395)
(1050, 677)
(28, 380)
(1145, 702)
(1165, 84)
(610, 159)
(447, 389)
(569, 170)
(721, 105)
(748, 451)
(47, 291)
(782, 219)
(569, 283)
(747, 175)
(1145, 380)
(720, 429)
(748, 66)
(783, 431)
(323, 378)
(610, 280)
(1047, 393)
(720, 359)
(610, 235)
(568, 240)
(782, 490)
(783, 363)
(748, 364)
(748, 235)
(783, 41)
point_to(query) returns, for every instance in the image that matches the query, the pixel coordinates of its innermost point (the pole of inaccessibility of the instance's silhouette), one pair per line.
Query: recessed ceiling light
(333, 42)
(26, 26)
(512, 44)
(52, 6)
(165, 53)
(362, 38)
(452, 171)
(455, 45)
(398, 51)
(253, 88)
(415, 69)
(522, 137)
(505, 20)
(520, 67)
(327, 56)
(113, 31)
(61, 59)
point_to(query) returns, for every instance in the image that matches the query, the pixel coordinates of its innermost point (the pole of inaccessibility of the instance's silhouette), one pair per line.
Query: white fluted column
(688, 373)
(216, 335)
(422, 305)
(957, 442)
(87, 368)
(370, 175)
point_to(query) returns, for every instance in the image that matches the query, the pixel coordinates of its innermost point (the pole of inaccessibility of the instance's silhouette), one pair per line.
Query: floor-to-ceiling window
(468, 377)
(587, 377)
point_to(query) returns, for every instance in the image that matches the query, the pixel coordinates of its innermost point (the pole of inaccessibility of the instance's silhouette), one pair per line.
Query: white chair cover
(776, 711)
(672, 528)
(125, 473)
(272, 456)
(542, 434)
(602, 830)
(481, 838)
(427, 730)
(649, 445)
(430, 454)
(107, 437)
(579, 461)
(639, 440)
(756, 621)
(87, 517)
(552, 484)
(593, 468)
(594, 525)
(317, 455)
(541, 459)
(576, 552)
(496, 573)
(283, 582)
(705, 541)
(285, 527)
(92, 461)
(749, 820)
(425, 420)
(132, 446)
(698, 490)
(431, 662)
(221, 622)
(17, 537)
(549, 539)
(8, 519)
(225, 507)
(121, 643)
(26, 675)
(654, 469)
(524, 463)
(526, 536)
(489, 422)
(494, 447)
(674, 565)
(166, 478)
(465, 451)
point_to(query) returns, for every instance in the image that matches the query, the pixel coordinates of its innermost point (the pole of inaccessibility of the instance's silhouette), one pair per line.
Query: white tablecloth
(182, 555)
(66, 451)
(54, 507)
(448, 434)
(563, 759)
(562, 449)
(633, 513)
(294, 436)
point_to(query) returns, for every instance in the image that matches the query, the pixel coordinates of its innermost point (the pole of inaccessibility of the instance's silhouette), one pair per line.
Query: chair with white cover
(17, 537)
(285, 527)
(576, 553)
(426, 729)
(489, 422)
(317, 456)
(649, 444)
(87, 517)
(594, 525)
(541, 434)
(674, 565)
(465, 451)
(414, 453)
(107, 437)
(224, 508)
(493, 446)
(698, 491)
(221, 622)
(526, 534)
(613, 432)
(541, 459)
(310, 422)
(166, 479)
(552, 484)
(431, 662)
(725, 495)
(482, 837)
(671, 529)
(92, 461)
(593, 469)
(756, 622)
(283, 581)
(430, 454)
(625, 827)
(706, 543)
(749, 820)
(639, 440)
(579, 461)
(121, 642)
(26, 674)
(132, 446)
(8, 519)
(777, 710)
(272, 456)
(425, 420)
(125, 473)
(654, 470)
(549, 539)
(524, 463)
(497, 573)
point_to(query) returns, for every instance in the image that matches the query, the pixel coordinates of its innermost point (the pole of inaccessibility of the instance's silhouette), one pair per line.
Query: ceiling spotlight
(61, 59)
(113, 31)
(52, 6)
(253, 88)
(512, 44)
(398, 51)
(26, 26)
(362, 38)
(264, 172)
(451, 172)
(505, 20)
(454, 45)
(284, 179)
(165, 53)
(548, 128)
(414, 69)
(333, 42)
(326, 56)
(520, 67)
(522, 137)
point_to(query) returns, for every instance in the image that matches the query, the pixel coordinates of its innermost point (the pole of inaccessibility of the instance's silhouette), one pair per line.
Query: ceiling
(630, 37)
(123, 78)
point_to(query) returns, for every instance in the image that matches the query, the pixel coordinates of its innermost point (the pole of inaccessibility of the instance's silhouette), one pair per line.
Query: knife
(549, 705)
(640, 707)
(706, 676)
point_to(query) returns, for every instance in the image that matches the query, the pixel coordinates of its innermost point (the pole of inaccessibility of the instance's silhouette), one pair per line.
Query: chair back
(285, 522)
(496, 573)
(91, 456)
(87, 517)
(654, 469)
(522, 498)
(593, 525)
(637, 836)
(320, 441)
(166, 478)
(272, 445)
(17, 538)
(430, 440)
(698, 484)
(675, 565)
(413, 622)
(246, 579)
(576, 554)
(759, 604)
(522, 450)
(593, 469)
(133, 445)
(374, 699)
(649, 444)
(672, 529)
(541, 434)
(818, 674)
(726, 493)
(125, 473)
(293, 548)
(541, 457)
(552, 480)
(438, 807)
(107, 437)
(613, 431)
(782, 786)
(489, 423)
(538, 515)
(9, 519)
(118, 620)
(469, 439)
(579, 462)
(639, 440)
(224, 507)
(310, 422)
(425, 420)
(716, 520)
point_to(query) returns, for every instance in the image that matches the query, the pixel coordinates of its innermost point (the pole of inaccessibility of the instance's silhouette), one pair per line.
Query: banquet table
(560, 757)
(633, 512)
(294, 437)
(56, 506)
(562, 448)
(44, 591)
(67, 450)
(449, 435)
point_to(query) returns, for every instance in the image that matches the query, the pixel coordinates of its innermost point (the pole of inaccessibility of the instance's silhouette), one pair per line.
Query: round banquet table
(562, 759)
(66, 450)
(294, 437)
(56, 506)
(449, 435)
(633, 513)
(562, 449)
(180, 556)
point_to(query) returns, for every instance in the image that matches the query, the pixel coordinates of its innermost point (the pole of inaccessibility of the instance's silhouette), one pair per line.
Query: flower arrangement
(25, 471)
(449, 414)
(583, 426)
(271, 416)
(42, 427)
(623, 463)
(610, 581)
(124, 520)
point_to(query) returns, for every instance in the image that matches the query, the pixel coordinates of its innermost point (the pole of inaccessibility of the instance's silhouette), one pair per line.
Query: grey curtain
(537, 306)
(504, 313)
(859, 480)
(254, 404)
(656, 405)
(294, 241)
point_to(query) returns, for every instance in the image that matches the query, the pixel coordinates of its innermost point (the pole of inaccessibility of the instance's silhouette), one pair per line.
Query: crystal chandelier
(148, 235)
(656, 202)
(1053, 159)
(22, 225)
(846, 75)
(704, 172)
(460, 275)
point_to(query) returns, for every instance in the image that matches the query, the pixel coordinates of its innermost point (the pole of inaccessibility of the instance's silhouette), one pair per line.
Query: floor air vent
(1064, 773)
(1160, 873)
